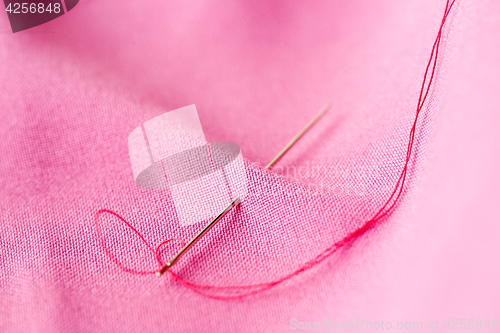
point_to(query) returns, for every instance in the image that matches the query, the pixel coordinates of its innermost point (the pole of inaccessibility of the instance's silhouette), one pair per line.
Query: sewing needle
(200, 234)
(299, 135)
(237, 200)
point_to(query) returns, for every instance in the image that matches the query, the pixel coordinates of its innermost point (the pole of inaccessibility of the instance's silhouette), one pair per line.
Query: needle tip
(326, 108)
(292, 142)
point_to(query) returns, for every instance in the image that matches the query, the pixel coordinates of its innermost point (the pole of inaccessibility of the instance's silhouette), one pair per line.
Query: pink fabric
(73, 89)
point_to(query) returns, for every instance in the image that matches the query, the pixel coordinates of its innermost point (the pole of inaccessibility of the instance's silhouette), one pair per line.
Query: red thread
(384, 211)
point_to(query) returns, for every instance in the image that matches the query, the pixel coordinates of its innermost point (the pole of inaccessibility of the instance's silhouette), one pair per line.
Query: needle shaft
(195, 239)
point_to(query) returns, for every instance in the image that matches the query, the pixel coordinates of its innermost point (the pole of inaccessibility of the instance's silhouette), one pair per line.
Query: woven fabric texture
(73, 89)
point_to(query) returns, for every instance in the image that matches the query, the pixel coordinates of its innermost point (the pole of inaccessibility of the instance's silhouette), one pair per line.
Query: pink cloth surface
(73, 89)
